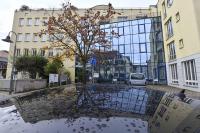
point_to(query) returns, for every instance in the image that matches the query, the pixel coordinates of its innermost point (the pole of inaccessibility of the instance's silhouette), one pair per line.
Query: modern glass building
(137, 49)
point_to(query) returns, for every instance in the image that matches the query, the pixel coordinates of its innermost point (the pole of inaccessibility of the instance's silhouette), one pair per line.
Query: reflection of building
(156, 63)
(181, 32)
(110, 63)
(176, 116)
(3, 63)
(57, 104)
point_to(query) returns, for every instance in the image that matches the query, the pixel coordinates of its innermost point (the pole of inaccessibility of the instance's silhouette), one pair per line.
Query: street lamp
(8, 39)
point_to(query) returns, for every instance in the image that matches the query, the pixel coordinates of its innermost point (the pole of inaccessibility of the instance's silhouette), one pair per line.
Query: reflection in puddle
(95, 110)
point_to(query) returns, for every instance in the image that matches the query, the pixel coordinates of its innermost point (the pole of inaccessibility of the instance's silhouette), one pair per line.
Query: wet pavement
(96, 109)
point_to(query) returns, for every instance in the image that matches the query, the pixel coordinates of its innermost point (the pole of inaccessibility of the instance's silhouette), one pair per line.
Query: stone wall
(24, 85)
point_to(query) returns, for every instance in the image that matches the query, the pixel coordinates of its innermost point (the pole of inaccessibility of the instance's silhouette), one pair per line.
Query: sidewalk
(170, 89)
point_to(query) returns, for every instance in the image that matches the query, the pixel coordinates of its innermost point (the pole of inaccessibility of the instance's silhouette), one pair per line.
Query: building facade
(133, 44)
(181, 32)
(3, 63)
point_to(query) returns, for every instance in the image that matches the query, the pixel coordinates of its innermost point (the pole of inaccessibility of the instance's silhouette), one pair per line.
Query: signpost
(53, 78)
(93, 62)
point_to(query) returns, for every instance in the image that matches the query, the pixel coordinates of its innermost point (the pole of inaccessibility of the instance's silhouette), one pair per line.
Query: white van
(137, 79)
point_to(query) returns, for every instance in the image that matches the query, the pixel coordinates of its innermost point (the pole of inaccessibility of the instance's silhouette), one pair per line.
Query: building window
(29, 21)
(141, 28)
(44, 38)
(58, 51)
(42, 52)
(21, 21)
(37, 21)
(26, 52)
(177, 16)
(17, 52)
(45, 21)
(121, 31)
(142, 48)
(174, 74)
(169, 28)
(172, 51)
(190, 73)
(50, 52)
(51, 38)
(19, 37)
(34, 51)
(35, 37)
(164, 10)
(181, 45)
(169, 3)
(27, 37)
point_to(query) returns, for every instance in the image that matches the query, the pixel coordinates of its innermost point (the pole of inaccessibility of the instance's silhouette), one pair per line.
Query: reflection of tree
(96, 101)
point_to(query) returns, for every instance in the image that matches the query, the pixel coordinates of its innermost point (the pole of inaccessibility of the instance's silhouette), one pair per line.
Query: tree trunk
(84, 73)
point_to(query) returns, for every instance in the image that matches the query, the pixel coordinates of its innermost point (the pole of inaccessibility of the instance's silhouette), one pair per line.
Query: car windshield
(137, 76)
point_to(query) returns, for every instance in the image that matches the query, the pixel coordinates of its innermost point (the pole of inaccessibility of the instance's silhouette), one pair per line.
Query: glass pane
(121, 40)
(127, 39)
(127, 49)
(121, 48)
(126, 30)
(148, 47)
(121, 30)
(136, 58)
(115, 41)
(143, 48)
(126, 23)
(142, 38)
(141, 21)
(135, 29)
(135, 39)
(120, 24)
(147, 20)
(134, 22)
(107, 25)
(107, 32)
(115, 47)
(148, 27)
(141, 28)
(143, 58)
(136, 48)
(148, 37)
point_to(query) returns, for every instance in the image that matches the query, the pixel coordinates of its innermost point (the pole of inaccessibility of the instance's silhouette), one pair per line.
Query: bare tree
(78, 35)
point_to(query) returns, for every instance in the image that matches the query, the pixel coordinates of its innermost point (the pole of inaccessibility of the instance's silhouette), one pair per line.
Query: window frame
(27, 37)
(172, 51)
(164, 10)
(190, 75)
(19, 37)
(37, 22)
(169, 28)
(26, 52)
(29, 22)
(173, 73)
(21, 22)
(169, 3)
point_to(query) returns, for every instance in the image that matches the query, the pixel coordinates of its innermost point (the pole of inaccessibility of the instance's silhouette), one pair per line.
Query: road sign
(93, 61)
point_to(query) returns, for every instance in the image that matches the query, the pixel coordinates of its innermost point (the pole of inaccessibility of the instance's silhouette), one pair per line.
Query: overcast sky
(7, 8)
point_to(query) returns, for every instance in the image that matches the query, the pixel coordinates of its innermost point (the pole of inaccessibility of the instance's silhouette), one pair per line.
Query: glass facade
(137, 49)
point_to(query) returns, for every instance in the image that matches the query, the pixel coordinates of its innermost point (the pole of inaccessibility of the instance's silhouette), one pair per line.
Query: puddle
(94, 111)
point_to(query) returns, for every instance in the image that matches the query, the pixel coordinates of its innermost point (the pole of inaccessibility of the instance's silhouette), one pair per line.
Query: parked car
(137, 79)
(119, 78)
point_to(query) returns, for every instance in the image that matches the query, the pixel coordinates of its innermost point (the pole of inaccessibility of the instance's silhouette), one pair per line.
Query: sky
(7, 8)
